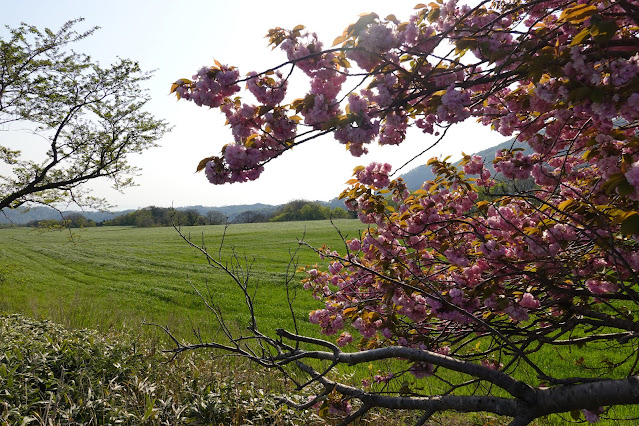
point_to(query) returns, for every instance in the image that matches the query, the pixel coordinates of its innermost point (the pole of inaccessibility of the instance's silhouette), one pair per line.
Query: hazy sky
(176, 38)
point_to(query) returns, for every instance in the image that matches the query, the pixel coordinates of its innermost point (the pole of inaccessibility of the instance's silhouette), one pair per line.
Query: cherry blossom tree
(465, 286)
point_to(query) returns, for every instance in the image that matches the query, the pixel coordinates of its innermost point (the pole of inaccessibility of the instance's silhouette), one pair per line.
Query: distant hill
(417, 176)
(334, 203)
(21, 215)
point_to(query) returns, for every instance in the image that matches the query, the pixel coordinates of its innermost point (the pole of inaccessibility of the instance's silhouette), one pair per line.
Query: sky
(175, 39)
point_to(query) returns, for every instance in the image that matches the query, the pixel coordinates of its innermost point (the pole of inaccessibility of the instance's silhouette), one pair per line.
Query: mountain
(420, 174)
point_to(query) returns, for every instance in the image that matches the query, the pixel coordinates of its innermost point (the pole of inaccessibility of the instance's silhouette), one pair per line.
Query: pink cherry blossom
(529, 301)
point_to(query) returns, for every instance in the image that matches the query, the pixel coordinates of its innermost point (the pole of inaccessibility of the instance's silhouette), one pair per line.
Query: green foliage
(73, 220)
(507, 188)
(251, 216)
(161, 216)
(306, 210)
(91, 117)
(76, 220)
(51, 375)
(214, 217)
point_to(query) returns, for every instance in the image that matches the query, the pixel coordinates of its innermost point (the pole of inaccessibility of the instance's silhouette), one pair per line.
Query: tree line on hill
(71, 220)
(297, 210)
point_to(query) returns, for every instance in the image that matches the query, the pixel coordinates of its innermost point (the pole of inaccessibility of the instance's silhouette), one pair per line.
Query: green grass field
(119, 277)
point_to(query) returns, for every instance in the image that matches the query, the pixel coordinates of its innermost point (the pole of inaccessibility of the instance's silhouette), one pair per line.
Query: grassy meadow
(120, 277)
(114, 279)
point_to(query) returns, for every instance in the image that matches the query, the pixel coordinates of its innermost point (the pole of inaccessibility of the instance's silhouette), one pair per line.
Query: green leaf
(597, 95)
(625, 188)
(263, 109)
(405, 389)
(577, 14)
(323, 411)
(579, 38)
(434, 15)
(364, 21)
(580, 93)
(614, 181)
(565, 204)
(202, 164)
(630, 226)
(341, 39)
(603, 31)
(149, 410)
(575, 414)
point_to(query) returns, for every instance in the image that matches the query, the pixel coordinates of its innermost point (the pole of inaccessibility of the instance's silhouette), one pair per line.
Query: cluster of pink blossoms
(375, 40)
(326, 80)
(243, 120)
(375, 174)
(362, 129)
(211, 86)
(242, 161)
(267, 90)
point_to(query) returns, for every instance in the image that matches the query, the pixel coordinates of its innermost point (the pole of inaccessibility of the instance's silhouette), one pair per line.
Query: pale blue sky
(176, 38)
